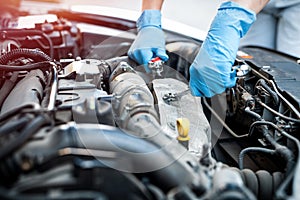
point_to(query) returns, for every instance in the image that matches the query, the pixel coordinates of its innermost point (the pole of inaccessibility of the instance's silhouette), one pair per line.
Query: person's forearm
(254, 5)
(152, 4)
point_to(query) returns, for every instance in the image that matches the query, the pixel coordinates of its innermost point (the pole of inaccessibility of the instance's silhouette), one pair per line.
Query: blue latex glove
(150, 41)
(211, 73)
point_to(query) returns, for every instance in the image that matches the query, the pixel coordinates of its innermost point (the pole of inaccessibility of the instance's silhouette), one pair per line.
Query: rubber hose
(253, 149)
(251, 180)
(261, 183)
(265, 184)
(26, 133)
(9, 171)
(271, 92)
(9, 127)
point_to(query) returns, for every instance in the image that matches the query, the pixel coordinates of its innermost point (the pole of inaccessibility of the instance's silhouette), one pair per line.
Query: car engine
(81, 120)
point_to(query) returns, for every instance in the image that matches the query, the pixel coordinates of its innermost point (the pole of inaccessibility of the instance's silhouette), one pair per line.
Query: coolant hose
(262, 183)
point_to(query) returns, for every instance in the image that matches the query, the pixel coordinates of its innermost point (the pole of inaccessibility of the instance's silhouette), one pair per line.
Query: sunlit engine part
(134, 108)
(187, 107)
(133, 102)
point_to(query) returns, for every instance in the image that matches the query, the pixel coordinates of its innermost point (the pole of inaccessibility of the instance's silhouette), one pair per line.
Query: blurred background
(196, 13)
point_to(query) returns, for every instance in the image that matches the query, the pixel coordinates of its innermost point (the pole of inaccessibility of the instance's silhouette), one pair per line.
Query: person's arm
(254, 5)
(150, 41)
(211, 73)
(152, 4)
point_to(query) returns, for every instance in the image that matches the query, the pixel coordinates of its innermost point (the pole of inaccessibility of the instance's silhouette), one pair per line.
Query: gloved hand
(211, 73)
(150, 41)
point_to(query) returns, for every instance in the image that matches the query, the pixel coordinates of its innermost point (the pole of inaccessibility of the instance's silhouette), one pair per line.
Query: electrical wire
(35, 54)
(16, 33)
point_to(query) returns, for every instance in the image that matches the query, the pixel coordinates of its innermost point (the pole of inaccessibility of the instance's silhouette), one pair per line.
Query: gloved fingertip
(162, 54)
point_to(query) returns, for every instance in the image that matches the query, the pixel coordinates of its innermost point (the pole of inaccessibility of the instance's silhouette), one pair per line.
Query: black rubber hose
(156, 192)
(251, 180)
(253, 114)
(27, 133)
(252, 149)
(9, 127)
(8, 86)
(277, 179)
(265, 182)
(261, 183)
(131, 154)
(293, 108)
(281, 150)
(293, 177)
(15, 111)
(35, 54)
(270, 91)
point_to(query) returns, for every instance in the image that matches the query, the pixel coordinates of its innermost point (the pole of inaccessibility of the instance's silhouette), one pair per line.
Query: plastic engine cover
(187, 107)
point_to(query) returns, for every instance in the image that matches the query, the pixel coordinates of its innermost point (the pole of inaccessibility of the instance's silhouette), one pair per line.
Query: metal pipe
(54, 88)
(285, 100)
(222, 122)
(277, 113)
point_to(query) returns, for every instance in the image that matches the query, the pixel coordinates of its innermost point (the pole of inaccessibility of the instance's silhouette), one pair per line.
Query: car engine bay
(81, 120)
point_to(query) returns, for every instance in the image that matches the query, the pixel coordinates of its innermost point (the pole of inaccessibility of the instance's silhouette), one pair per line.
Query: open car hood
(81, 120)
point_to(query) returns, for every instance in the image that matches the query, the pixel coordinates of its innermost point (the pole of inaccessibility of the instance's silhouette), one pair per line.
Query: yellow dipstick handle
(183, 127)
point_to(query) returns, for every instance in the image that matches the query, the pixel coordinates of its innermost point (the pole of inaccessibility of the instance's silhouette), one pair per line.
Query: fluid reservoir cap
(244, 67)
(183, 127)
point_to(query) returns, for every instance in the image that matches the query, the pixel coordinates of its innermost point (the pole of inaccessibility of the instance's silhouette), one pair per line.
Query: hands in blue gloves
(150, 41)
(211, 73)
